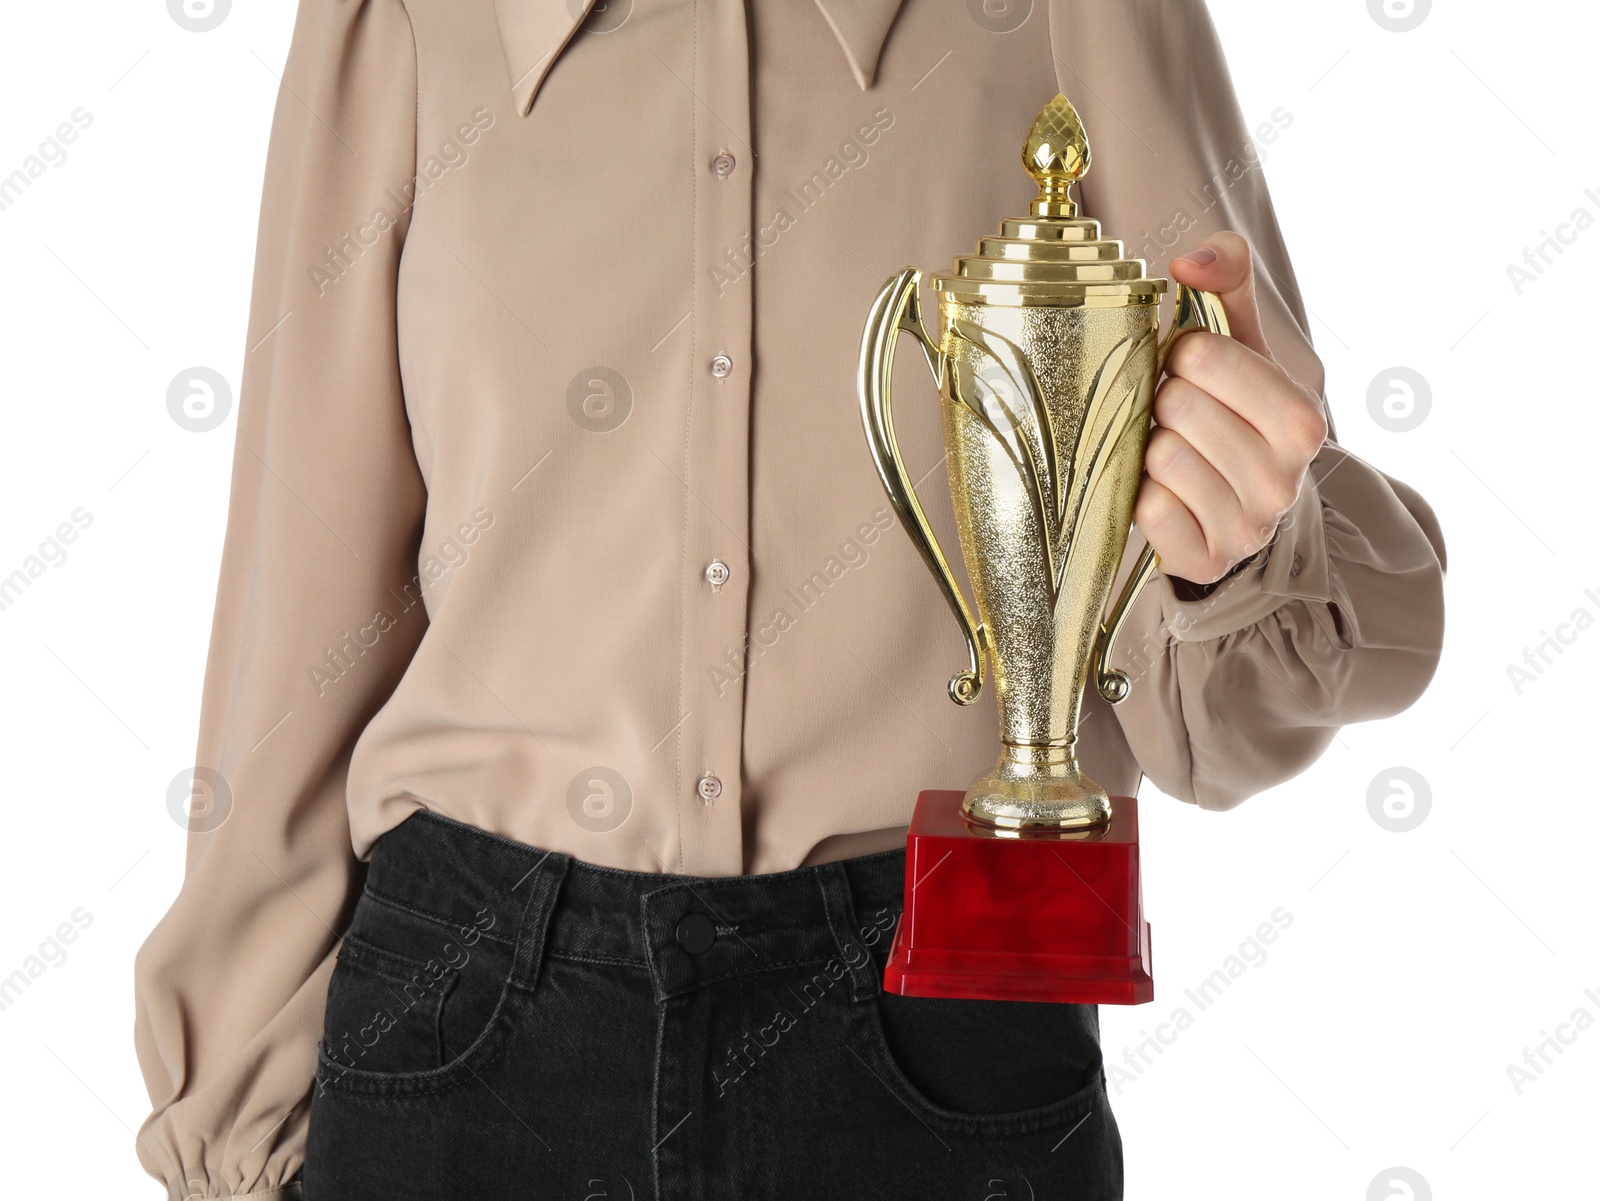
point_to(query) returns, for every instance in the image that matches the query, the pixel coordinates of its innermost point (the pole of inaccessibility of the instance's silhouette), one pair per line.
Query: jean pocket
(985, 1067)
(413, 1003)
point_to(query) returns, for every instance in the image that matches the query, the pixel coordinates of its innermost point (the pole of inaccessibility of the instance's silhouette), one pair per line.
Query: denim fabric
(505, 1022)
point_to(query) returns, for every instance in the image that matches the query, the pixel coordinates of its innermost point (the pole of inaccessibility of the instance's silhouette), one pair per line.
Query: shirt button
(722, 164)
(721, 365)
(709, 788)
(696, 933)
(717, 574)
(1296, 565)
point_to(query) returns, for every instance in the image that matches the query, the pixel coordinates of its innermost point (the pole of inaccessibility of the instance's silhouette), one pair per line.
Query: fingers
(1234, 430)
(1171, 529)
(1229, 271)
(1189, 512)
(1279, 409)
(1264, 486)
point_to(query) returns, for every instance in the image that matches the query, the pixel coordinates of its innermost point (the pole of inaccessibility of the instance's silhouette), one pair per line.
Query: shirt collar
(534, 32)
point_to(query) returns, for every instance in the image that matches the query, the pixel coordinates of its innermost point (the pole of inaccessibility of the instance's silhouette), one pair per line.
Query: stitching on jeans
(814, 874)
(533, 926)
(650, 959)
(437, 919)
(859, 990)
(429, 916)
(491, 1041)
(454, 1075)
(733, 975)
(1051, 1116)
(382, 961)
(608, 960)
(655, 1094)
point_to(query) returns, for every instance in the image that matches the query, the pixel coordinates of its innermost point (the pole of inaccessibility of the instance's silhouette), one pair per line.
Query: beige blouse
(551, 506)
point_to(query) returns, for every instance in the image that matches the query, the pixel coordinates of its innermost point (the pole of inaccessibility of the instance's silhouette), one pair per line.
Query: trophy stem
(1037, 789)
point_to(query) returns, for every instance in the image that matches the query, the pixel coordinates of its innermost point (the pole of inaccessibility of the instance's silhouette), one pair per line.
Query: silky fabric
(552, 512)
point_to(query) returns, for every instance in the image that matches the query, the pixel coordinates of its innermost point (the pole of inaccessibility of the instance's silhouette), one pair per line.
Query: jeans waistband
(688, 931)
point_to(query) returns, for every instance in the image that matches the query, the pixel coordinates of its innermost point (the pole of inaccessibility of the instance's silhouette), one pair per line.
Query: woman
(566, 701)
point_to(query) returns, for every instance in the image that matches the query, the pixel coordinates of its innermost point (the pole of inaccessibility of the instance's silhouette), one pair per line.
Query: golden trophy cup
(1046, 362)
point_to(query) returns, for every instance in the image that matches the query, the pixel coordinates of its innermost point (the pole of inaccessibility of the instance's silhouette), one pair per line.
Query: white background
(1377, 1032)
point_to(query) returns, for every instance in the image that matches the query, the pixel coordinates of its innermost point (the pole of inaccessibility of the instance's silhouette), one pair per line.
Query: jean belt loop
(843, 924)
(543, 883)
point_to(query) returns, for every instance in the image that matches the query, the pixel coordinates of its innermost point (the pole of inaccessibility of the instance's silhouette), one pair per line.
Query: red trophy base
(1000, 918)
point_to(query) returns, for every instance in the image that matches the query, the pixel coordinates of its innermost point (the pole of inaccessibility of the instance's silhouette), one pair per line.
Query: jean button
(696, 933)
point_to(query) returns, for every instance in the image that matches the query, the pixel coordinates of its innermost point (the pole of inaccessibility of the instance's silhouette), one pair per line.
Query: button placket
(717, 464)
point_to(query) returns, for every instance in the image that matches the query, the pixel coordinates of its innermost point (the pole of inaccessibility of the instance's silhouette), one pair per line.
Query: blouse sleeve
(1341, 617)
(324, 519)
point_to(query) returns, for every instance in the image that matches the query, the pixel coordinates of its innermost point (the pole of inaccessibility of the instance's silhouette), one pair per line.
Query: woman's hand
(1234, 430)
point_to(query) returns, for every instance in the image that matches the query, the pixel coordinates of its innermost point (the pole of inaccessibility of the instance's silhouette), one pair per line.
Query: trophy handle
(896, 309)
(1192, 310)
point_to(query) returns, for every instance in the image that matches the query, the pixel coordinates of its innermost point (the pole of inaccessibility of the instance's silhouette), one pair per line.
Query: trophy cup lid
(1052, 256)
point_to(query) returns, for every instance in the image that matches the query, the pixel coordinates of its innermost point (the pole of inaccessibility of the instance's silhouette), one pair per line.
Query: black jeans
(505, 1022)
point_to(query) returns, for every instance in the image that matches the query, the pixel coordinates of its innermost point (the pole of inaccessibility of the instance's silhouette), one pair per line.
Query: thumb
(1223, 264)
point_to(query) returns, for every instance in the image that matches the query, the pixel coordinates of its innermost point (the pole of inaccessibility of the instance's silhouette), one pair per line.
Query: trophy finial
(1056, 154)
